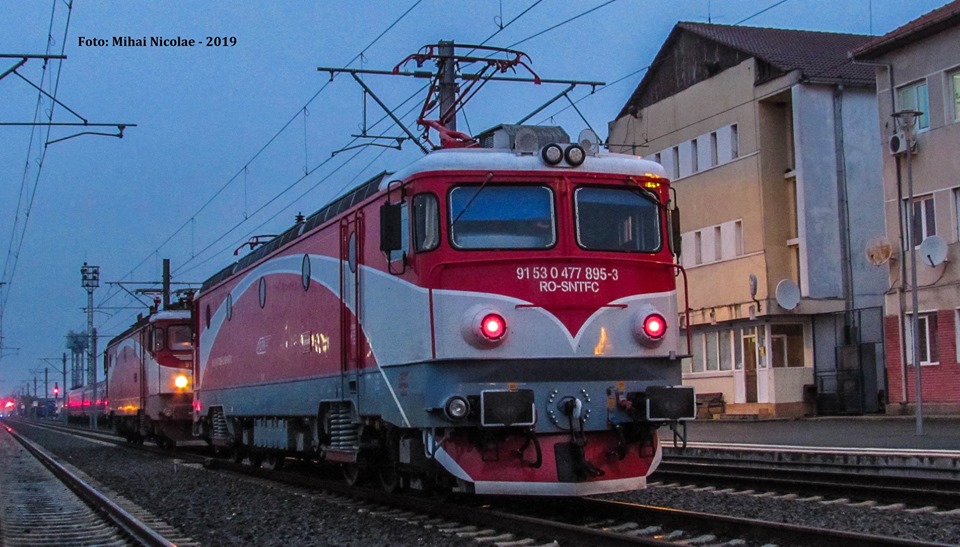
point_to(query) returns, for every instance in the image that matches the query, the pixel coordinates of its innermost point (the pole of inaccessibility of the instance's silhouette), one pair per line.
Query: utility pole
(91, 280)
(448, 85)
(907, 120)
(166, 284)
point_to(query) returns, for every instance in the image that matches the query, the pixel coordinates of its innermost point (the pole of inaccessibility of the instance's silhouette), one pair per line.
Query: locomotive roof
(329, 211)
(166, 315)
(496, 159)
(154, 316)
(460, 159)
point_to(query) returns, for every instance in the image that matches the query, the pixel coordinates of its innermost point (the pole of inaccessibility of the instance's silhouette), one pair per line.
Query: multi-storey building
(770, 136)
(918, 69)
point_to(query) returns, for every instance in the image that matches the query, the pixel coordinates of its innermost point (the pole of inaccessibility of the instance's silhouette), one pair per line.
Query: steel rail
(116, 515)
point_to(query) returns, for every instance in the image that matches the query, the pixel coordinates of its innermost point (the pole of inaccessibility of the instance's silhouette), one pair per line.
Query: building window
(787, 342)
(675, 157)
(717, 244)
(698, 247)
(713, 244)
(713, 351)
(914, 97)
(956, 329)
(738, 237)
(734, 142)
(956, 210)
(694, 159)
(714, 157)
(924, 219)
(927, 326)
(955, 93)
(697, 353)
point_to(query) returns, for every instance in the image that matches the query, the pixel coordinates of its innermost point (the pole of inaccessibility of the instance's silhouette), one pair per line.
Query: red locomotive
(498, 317)
(149, 378)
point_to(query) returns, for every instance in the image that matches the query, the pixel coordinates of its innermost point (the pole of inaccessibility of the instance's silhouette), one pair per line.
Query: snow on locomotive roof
(170, 314)
(487, 159)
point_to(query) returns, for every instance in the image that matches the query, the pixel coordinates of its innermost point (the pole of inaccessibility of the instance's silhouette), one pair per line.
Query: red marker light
(493, 326)
(649, 327)
(655, 326)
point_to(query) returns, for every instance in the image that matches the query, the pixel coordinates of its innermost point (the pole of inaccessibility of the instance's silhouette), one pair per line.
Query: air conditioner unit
(898, 144)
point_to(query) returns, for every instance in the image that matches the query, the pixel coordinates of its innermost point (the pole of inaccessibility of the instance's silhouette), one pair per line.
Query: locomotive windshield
(180, 337)
(617, 219)
(502, 217)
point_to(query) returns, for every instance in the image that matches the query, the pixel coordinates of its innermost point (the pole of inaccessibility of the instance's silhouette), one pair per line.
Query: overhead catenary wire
(16, 240)
(300, 112)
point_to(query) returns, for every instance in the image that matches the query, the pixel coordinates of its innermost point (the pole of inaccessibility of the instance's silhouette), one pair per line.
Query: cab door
(351, 337)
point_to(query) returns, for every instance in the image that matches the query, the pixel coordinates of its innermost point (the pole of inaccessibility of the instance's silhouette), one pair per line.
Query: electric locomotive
(149, 378)
(493, 319)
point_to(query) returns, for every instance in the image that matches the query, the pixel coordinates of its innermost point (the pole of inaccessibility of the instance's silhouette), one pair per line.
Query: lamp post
(91, 280)
(906, 122)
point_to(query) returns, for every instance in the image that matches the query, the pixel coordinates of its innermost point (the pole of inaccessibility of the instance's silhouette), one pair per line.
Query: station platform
(859, 432)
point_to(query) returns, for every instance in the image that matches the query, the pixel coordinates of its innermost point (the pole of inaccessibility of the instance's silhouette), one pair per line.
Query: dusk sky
(234, 140)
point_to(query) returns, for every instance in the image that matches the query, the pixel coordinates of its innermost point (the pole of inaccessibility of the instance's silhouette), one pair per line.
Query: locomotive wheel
(273, 462)
(353, 473)
(390, 478)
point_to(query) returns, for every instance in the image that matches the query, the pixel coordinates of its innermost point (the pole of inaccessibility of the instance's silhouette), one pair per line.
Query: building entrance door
(750, 365)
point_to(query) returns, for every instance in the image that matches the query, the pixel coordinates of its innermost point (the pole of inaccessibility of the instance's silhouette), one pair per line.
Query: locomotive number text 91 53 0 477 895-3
(568, 279)
(568, 273)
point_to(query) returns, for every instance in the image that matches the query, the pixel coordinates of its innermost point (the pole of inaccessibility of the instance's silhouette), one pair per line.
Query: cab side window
(404, 249)
(426, 222)
(158, 339)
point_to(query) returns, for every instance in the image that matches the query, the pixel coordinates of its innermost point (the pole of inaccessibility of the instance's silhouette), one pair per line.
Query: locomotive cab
(553, 315)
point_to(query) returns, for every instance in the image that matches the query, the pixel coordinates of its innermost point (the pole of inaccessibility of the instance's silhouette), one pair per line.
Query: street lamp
(91, 280)
(906, 122)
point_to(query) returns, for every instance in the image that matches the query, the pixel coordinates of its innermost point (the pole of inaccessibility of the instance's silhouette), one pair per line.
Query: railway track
(548, 521)
(45, 503)
(861, 485)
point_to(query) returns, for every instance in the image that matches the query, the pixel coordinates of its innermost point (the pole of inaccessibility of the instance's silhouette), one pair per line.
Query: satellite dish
(788, 294)
(753, 286)
(933, 251)
(879, 250)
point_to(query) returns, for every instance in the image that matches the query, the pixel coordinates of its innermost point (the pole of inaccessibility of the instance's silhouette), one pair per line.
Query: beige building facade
(768, 144)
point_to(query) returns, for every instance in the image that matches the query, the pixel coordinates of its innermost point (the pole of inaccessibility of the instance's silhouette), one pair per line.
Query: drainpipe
(843, 209)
